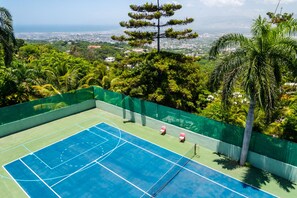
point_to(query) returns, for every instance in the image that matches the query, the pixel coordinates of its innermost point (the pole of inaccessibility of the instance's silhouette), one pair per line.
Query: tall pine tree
(149, 16)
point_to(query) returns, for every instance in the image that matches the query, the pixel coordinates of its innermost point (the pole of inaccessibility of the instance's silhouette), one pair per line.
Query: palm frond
(230, 80)
(260, 27)
(7, 38)
(228, 40)
(227, 64)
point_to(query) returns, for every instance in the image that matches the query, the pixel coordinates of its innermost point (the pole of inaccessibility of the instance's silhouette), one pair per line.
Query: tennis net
(172, 172)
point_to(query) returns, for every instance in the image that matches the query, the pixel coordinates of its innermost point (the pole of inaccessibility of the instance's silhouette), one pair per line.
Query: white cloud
(223, 2)
(282, 2)
(174, 2)
(190, 5)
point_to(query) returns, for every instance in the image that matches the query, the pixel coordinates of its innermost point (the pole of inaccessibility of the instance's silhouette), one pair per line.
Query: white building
(110, 59)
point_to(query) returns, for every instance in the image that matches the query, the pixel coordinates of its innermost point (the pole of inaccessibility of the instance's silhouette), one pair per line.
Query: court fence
(36, 107)
(281, 150)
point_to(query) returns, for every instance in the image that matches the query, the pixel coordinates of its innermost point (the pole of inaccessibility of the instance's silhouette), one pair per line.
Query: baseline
(40, 178)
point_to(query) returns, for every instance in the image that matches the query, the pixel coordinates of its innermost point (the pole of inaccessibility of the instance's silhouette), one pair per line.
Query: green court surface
(17, 145)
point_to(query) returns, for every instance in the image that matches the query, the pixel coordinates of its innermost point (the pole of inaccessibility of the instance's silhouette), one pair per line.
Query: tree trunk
(247, 132)
(158, 35)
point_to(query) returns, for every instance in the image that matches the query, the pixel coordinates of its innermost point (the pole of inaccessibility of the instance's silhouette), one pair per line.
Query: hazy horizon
(19, 29)
(214, 15)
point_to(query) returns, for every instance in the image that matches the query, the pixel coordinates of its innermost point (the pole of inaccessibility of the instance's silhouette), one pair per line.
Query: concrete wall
(276, 167)
(33, 121)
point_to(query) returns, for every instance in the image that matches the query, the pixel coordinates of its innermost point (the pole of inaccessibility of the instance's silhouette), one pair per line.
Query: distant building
(110, 59)
(290, 88)
(136, 50)
(139, 50)
(291, 84)
(127, 52)
(94, 47)
(130, 66)
(210, 98)
(237, 95)
(229, 49)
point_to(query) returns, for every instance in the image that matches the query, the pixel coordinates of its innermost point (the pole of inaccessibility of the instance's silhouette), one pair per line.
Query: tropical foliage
(39, 70)
(255, 65)
(7, 39)
(166, 78)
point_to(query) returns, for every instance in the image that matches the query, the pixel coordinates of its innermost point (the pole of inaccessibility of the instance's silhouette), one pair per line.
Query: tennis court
(104, 161)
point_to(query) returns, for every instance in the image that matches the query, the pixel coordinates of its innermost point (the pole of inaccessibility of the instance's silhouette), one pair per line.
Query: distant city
(95, 34)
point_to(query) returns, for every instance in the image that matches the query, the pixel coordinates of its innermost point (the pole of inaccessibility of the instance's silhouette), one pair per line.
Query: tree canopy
(7, 39)
(149, 15)
(166, 78)
(256, 66)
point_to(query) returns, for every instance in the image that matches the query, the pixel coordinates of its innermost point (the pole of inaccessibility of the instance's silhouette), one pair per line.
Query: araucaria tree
(149, 16)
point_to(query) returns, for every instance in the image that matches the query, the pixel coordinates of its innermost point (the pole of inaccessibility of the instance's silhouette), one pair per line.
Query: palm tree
(7, 39)
(254, 64)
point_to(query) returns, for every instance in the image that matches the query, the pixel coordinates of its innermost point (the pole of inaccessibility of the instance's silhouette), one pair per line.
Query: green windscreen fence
(36, 107)
(275, 148)
(211, 128)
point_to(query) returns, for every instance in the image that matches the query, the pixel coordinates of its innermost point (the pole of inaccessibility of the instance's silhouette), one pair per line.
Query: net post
(195, 149)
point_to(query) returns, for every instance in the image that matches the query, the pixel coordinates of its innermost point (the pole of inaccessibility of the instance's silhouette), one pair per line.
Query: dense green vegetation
(166, 78)
(40, 69)
(43, 69)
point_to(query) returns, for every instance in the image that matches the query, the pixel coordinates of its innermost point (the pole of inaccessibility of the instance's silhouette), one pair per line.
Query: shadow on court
(254, 176)
(258, 178)
(225, 162)
(284, 184)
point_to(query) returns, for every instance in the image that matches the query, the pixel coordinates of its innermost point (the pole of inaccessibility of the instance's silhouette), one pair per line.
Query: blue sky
(207, 13)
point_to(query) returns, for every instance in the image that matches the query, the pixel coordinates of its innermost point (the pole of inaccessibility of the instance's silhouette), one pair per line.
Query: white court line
(49, 134)
(148, 151)
(192, 160)
(48, 144)
(195, 173)
(123, 178)
(40, 178)
(97, 135)
(171, 168)
(119, 108)
(32, 153)
(23, 145)
(82, 168)
(144, 149)
(79, 155)
(101, 157)
(15, 181)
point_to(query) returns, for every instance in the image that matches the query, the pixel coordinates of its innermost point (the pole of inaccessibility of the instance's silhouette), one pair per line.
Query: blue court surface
(104, 161)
